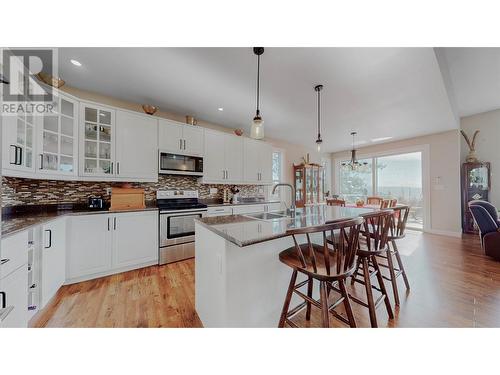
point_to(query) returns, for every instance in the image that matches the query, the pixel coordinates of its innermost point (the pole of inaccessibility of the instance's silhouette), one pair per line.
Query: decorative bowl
(149, 109)
(50, 80)
(360, 203)
(238, 132)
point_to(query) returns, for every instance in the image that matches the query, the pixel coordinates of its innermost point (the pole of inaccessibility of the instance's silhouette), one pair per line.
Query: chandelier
(354, 164)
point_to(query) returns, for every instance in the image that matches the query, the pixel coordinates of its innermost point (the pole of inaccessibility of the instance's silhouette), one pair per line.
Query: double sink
(270, 215)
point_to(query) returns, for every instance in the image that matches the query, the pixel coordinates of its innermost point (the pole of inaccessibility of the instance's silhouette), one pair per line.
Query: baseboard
(447, 233)
(110, 272)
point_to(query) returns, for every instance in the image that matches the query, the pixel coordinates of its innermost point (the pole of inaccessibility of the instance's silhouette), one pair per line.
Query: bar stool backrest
(376, 229)
(374, 200)
(398, 227)
(336, 202)
(345, 236)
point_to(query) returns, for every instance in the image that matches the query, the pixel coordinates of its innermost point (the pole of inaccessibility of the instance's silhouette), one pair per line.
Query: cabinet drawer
(248, 209)
(14, 253)
(15, 287)
(219, 211)
(273, 207)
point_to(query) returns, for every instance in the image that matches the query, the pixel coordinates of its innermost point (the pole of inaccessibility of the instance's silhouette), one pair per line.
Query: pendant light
(319, 141)
(354, 164)
(257, 129)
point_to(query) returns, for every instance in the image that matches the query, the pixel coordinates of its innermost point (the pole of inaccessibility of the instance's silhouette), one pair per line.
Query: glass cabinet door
(58, 138)
(98, 138)
(299, 184)
(314, 184)
(308, 179)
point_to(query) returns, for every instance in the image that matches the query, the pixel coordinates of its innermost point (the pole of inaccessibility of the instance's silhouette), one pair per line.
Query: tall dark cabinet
(476, 183)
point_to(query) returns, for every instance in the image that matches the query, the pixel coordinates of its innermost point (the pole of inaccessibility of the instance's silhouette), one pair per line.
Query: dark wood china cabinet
(309, 181)
(476, 183)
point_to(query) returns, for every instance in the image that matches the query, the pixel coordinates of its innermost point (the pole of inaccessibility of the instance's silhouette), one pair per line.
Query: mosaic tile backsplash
(18, 191)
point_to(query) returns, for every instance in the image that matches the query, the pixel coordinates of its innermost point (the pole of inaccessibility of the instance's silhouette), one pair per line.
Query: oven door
(180, 164)
(178, 227)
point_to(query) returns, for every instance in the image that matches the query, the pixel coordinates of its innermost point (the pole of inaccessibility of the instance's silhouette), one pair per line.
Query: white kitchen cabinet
(14, 281)
(136, 150)
(182, 139)
(57, 139)
(53, 259)
(103, 244)
(135, 238)
(18, 138)
(223, 162)
(97, 140)
(14, 296)
(89, 245)
(257, 161)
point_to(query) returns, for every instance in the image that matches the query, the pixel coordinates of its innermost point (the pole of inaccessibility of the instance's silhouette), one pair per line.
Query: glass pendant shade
(257, 129)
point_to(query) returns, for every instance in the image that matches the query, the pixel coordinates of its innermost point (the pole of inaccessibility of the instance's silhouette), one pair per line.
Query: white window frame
(277, 196)
(426, 180)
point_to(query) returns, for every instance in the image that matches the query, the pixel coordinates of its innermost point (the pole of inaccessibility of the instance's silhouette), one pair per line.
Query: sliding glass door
(397, 176)
(400, 177)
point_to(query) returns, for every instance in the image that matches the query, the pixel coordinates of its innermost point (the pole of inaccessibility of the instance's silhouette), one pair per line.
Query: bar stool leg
(369, 293)
(309, 294)
(382, 287)
(288, 298)
(355, 274)
(394, 282)
(324, 304)
(347, 304)
(400, 264)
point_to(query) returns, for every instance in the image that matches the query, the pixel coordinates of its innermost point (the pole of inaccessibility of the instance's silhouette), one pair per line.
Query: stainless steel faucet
(292, 190)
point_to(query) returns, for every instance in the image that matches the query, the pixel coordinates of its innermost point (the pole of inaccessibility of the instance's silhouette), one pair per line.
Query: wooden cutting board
(127, 199)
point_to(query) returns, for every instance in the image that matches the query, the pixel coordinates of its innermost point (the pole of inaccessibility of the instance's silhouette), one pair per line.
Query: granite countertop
(19, 218)
(243, 230)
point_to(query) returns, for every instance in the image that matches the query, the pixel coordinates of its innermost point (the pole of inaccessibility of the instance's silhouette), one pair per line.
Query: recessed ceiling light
(76, 62)
(220, 109)
(381, 139)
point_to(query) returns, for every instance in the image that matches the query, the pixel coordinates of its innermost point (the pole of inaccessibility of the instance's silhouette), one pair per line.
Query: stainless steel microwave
(180, 164)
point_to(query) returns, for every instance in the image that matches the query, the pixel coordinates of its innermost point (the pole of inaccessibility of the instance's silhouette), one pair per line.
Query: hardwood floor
(452, 285)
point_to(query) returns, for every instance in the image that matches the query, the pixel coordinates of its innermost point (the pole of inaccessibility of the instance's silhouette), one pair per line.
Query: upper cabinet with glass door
(57, 139)
(18, 143)
(97, 140)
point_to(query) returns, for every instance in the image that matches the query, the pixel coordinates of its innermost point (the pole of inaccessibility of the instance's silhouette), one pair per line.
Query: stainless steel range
(178, 209)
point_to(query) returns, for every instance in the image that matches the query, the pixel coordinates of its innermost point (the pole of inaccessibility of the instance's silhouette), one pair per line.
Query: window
(277, 171)
(356, 185)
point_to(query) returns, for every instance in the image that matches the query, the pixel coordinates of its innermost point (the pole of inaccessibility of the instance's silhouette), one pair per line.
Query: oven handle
(183, 213)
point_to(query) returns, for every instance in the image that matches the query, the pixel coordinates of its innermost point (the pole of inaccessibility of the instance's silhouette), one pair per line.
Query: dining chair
(325, 265)
(393, 202)
(336, 202)
(384, 203)
(374, 200)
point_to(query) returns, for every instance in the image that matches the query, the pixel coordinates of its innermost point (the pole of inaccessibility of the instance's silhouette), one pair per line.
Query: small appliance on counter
(96, 203)
(236, 195)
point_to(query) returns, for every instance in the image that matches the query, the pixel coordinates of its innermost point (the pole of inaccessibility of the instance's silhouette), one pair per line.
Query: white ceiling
(379, 92)
(475, 77)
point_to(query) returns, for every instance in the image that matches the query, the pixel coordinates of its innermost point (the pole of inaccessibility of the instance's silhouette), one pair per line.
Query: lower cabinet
(14, 281)
(101, 244)
(53, 259)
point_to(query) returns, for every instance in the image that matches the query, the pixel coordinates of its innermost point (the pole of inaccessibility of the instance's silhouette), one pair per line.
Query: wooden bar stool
(319, 262)
(375, 231)
(397, 231)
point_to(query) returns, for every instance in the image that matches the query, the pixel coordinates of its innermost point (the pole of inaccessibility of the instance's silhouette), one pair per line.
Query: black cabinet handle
(50, 238)
(118, 167)
(20, 156)
(4, 300)
(3, 261)
(114, 223)
(108, 224)
(41, 161)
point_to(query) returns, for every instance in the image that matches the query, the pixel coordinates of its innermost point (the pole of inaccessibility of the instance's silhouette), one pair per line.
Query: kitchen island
(240, 281)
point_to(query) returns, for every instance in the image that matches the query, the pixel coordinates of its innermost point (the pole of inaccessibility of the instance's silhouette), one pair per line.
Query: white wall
(487, 145)
(444, 162)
